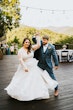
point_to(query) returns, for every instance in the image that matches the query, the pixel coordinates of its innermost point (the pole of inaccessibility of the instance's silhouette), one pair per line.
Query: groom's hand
(56, 67)
(37, 34)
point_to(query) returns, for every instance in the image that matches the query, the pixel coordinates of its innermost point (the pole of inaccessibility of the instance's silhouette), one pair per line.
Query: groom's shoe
(56, 93)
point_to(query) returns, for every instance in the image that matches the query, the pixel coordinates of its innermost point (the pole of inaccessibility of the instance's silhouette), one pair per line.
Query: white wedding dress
(31, 85)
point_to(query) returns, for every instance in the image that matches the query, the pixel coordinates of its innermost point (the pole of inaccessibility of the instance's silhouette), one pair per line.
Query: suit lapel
(42, 50)
(48, 49)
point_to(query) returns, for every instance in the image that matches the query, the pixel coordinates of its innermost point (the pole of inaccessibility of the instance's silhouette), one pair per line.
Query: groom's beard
(45, 44)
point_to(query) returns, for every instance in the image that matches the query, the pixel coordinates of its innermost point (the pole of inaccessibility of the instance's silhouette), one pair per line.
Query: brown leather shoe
(56, 93)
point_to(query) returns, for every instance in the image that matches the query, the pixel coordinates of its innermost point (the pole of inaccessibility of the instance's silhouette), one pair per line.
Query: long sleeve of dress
(21, 60)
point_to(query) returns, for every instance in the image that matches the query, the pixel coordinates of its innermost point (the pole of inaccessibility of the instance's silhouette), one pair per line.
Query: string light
(26, 8)
(48, 10)
(41, 10)
(64, 11)
(52, 11)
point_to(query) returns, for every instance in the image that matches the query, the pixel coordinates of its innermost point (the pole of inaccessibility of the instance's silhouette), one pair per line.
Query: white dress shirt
(45, 47)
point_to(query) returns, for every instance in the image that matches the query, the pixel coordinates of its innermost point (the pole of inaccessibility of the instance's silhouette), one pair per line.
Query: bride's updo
(29, 48)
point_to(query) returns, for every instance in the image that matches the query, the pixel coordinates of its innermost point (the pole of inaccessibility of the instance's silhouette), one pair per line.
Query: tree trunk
(1, 55)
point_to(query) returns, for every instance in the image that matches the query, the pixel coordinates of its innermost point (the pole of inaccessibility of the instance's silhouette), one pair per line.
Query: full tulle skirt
(31, 85)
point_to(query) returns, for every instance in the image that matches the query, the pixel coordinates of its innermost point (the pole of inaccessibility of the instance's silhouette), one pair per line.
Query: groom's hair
(45, 37)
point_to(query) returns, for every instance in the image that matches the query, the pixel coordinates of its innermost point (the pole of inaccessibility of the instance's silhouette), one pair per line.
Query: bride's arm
(22, 62)
(37, 45)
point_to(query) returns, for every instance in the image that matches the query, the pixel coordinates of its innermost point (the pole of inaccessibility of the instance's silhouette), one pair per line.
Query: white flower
(49, 47)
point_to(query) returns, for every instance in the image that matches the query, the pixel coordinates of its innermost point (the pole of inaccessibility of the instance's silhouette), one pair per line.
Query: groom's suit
(45, 58)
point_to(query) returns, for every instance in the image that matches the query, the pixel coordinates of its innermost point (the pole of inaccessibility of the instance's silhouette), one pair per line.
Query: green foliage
(22, 32)
(66, 40)
(10, 13)
(1, 24)
(16, 40)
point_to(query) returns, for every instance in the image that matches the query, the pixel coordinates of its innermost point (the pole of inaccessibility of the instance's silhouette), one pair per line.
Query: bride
(29, 81)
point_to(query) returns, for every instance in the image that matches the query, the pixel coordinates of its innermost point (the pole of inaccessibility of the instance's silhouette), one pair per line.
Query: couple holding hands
(34, 76)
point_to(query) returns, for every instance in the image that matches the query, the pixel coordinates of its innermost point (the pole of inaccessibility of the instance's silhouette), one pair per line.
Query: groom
(44, 54)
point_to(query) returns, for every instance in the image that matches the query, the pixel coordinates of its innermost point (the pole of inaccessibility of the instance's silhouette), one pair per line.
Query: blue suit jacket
(45, 59)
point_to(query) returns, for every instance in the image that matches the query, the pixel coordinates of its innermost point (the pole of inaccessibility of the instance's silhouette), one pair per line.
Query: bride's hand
(26, 70)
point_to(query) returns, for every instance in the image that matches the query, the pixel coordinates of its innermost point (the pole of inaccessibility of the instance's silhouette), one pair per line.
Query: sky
(38, 18)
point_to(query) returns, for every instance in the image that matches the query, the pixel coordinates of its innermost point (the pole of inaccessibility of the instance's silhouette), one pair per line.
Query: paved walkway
(64, 76)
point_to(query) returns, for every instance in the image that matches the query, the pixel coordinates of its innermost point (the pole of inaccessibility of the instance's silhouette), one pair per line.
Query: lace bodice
(24, 54)
(24, 57)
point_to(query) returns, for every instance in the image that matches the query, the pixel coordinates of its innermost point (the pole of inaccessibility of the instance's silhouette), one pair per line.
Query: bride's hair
(29, 48)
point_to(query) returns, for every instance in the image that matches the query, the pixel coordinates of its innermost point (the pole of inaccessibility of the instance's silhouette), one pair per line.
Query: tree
(15, 40)
(10, 13)
(1, 24)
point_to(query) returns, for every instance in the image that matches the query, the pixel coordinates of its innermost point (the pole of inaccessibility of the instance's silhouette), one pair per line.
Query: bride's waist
(30, 61)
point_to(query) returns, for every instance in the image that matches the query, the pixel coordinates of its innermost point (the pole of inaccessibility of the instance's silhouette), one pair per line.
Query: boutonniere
(49, 47)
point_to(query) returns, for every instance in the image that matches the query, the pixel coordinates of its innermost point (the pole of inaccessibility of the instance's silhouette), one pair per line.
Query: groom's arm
(55, 57)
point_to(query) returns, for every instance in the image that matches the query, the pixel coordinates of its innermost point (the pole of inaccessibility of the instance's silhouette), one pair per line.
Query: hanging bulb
(26, 8)
(63, 11)
(52, 11)
(41, 10)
